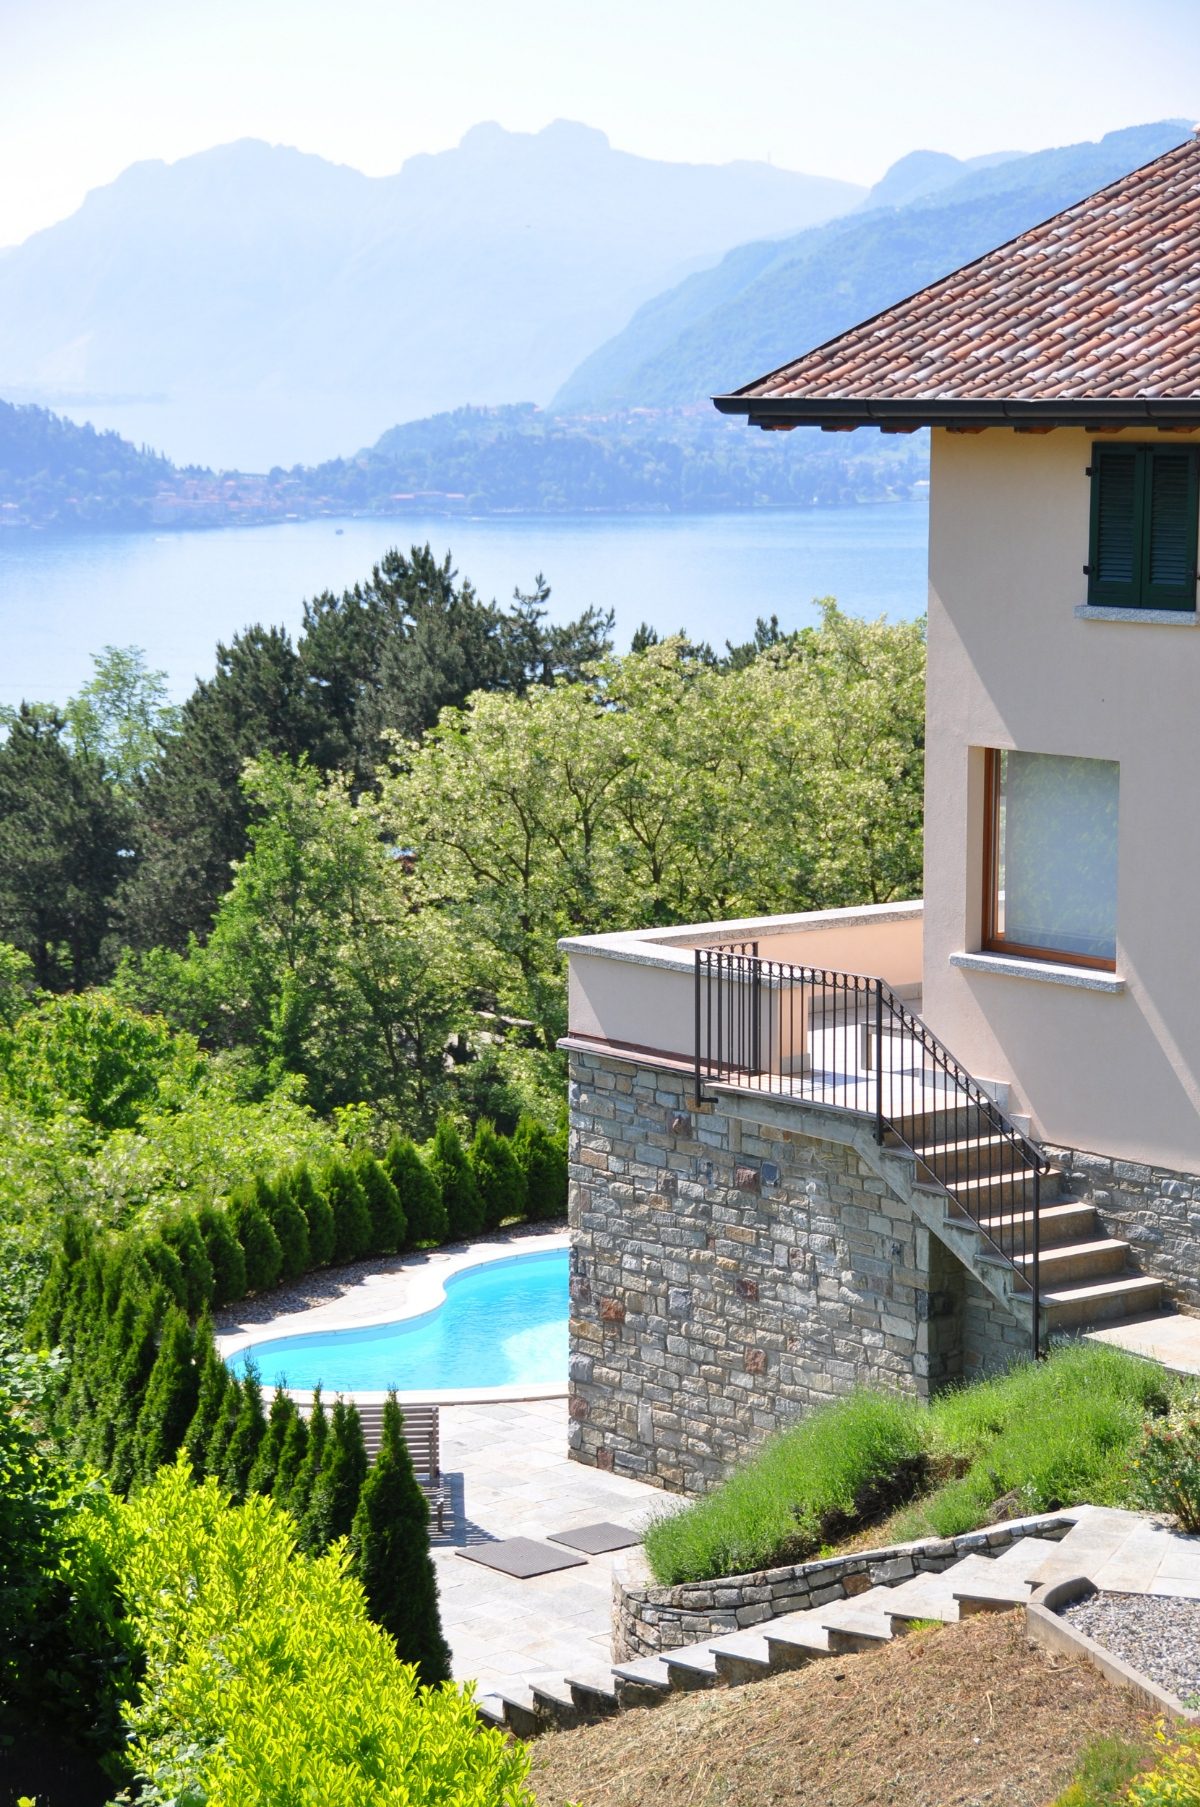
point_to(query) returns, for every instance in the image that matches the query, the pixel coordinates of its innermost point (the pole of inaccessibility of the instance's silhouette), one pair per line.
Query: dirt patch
(967, 1715)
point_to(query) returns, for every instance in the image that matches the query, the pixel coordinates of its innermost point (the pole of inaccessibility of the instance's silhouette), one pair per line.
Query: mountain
(765, 303)
(923, 173)
(53, 472)
(255, 305)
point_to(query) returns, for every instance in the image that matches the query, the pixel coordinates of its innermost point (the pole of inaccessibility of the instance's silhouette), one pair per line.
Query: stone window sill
(1046, 972)
(1141, 617)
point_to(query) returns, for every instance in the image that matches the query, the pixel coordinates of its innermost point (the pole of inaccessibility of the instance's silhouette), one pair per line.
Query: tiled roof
(1099, 304)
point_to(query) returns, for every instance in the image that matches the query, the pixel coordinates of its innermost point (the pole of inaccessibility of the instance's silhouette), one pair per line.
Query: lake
(63, 597)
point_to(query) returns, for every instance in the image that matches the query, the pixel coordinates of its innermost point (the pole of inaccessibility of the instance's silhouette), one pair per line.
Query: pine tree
(260, 1245)
(351, 1218)
(213, 1383)
(171, 1396)
(245, 1438)
(389, 1227)
(390, 1541)
(420, 1198)
(302, 1489)
(544, 1162)
(343, 1470)
(289, 1224)
(182, 1235)
(291, 1461)
(500, 1179)
(265, 1472)
(225, 1254)
(451, 1170)
(317, 1211)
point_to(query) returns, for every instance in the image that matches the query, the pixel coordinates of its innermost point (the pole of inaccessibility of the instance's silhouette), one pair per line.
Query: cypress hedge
(390, 1541)
(170, 1399)
(498, 1176)
(289, 1224)
(260, 1245)
(389, 1227)
(351, 1218)
(224, 1252)
(318, 1213)
(451, 1170)
(543, 1160)
(420, 1195)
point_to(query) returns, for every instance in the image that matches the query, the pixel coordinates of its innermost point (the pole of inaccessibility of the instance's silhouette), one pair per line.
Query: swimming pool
(501, 1324)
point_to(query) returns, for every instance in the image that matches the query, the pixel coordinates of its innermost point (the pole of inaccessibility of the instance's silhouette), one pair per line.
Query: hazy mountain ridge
(309, 305)
(765, 303)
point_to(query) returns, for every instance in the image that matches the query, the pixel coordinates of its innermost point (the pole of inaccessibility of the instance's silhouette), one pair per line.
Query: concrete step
(1074, 1306)
(490, 1709)
(1070, 1221)
(1094, 1259)
(923, 1597)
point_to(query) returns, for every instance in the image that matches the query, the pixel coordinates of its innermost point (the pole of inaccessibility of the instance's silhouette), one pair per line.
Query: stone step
(984, 1584)
(1071, 1221)
(519, 1710)
(642, 1682)
(970, 1154)
(554, 1703)
(929, 1596)
(1094, 1259)
(984, 1194)
(743, 1656)
(859, 1623)
(490, 1709)
(1073, 1305)
(795, 1638)
(595, 1696)
(691, 1666)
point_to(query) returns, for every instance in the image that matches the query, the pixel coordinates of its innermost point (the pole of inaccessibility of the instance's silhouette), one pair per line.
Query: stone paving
(1170, 1338)
(510, 1476)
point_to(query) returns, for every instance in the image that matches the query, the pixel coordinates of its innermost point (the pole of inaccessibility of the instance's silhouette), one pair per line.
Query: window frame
(992, 941)
(1139, 593)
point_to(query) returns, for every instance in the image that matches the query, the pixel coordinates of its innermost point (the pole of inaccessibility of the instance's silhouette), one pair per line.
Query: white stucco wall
(1011, 666)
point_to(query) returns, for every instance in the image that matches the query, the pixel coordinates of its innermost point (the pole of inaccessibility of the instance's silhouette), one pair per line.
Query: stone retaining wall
(1154, 1209)
(648, 1619)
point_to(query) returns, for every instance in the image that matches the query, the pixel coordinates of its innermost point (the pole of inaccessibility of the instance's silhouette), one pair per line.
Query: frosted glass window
(1054, 856)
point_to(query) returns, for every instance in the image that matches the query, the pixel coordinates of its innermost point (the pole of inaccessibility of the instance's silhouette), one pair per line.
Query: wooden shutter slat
(1169, 559)
(1113, 568)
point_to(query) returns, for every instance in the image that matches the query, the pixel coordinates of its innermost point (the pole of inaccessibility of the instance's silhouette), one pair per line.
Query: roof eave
(866, 411)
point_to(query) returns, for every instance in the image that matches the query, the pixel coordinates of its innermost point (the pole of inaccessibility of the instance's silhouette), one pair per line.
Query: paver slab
(521, 1557)
(598, 1539)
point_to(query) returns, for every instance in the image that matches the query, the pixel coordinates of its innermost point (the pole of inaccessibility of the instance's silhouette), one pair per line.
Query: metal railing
(848, 1042)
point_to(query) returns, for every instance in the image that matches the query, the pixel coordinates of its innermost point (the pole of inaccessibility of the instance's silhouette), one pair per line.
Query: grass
(1037, 1437)
(1106, 1769)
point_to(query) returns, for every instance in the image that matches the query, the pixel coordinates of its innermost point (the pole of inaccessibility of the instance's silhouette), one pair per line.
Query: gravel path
(1159, 1637)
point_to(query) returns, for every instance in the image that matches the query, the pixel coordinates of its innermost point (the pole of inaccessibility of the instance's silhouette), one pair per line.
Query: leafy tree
(16, 984)
(212, 1388)
(63, 834)
(318, 1213)
(122, 715)
(338, 1482)
(498, 1176)
(390, 1540)
(225, 1254)
(260, 1245)
(389, 1227)
(171, 1398)
(544, 1165)
(249, 1428)
(351, 1215)
(420, 1195)
(451, 1171)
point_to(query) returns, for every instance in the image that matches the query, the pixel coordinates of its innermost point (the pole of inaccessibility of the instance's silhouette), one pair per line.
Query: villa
(904, 1143)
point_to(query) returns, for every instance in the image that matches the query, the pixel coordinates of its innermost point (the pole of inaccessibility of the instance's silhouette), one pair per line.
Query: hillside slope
(765, 303)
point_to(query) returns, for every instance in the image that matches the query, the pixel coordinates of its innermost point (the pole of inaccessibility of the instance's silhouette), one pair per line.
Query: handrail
(847, 1041)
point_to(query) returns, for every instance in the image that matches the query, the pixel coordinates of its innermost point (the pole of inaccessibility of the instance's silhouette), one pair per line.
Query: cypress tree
(171, 1396)
(260, 1245)
(390, 1540)
(498, 1176)
(160, 1265)
(291, 1461)
(265, 1471)
(544, 1163)
(182, 1234)
(223, 1428)
(389, 1227)
(129, 1390)
(246, 1436)
(76, 1239)
(351, 1218)
(451, 1169)
(317, 1210)
(301, 1494)
(224, 1252)
(289, 1224)
(213, 1382)
(420, 1198)
(339, 1481)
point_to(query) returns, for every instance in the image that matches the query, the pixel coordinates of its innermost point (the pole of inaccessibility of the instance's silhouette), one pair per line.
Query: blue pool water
(501, 1324)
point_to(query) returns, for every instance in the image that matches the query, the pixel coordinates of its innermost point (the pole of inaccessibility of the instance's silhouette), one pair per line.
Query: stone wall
(647, 1618)
(728, 1274)
(1154, 1209)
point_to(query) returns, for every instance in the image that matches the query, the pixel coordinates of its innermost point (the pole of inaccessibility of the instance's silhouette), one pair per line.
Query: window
(1143, 540)
(1050, 886)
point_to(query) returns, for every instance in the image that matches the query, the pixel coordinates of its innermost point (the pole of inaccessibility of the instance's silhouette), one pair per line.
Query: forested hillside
(54, 471)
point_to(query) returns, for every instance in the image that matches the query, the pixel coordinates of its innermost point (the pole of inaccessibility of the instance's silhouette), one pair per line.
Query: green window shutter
(1169, 546)
(1114, 564)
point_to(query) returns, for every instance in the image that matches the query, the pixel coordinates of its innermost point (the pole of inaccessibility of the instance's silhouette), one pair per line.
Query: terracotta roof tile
(1101, 303)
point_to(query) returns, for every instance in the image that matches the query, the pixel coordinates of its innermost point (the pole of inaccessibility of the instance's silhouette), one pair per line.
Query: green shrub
(1164, 1474)
(1106, 1769)
(181, 1233)
(351, 1218)
(451, 1171)
(389, 1227)
(498, 1176)
(289, 1224)
(1174, 1780)
(338, 1482)
(543, 1160)
(157, 1264)
(316, 1435)
(390, 1540)
(318, 1213)
(264, 1676)
(260, 1245)
(247, 1430)
(225, 1254)
(846, 1459)
(280, 1419)
(420, 1196)
(170, 1399)
(290, 1464)
(213, 1383)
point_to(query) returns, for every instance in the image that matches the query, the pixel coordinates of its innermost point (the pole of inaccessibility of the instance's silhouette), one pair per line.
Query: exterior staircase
(976, 1582)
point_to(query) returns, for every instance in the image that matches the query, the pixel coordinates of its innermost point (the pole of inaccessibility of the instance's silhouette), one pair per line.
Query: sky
(89, 86)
